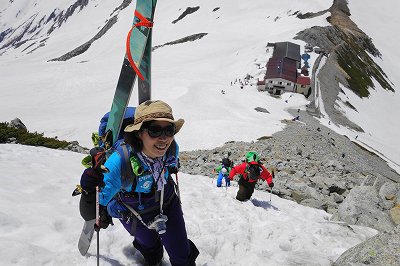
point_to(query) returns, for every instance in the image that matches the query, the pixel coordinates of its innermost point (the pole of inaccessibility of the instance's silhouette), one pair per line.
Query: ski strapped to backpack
(143, 22)
(136, 43)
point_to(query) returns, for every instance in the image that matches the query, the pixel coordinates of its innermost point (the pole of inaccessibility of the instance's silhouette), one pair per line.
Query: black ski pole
(98, 225)
(270, 191)
(270, 196)
(177, 186)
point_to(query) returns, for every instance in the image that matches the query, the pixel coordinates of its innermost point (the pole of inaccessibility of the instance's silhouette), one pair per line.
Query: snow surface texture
(40, 222)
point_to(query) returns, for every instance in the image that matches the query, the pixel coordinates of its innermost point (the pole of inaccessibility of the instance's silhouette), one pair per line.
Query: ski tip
(77, 191)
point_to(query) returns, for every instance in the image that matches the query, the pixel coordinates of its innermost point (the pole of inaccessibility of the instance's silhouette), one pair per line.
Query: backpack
(128, 119)
(97, 137)
(226, 162)
(254, 171)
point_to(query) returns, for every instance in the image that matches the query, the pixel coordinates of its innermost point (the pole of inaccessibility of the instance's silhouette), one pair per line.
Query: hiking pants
(246, 190)
(221, 177)
(181, 251)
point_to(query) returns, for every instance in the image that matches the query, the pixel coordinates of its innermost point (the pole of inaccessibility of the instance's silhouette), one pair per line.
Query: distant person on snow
(223, 172)
(145, 200)
(250, 171)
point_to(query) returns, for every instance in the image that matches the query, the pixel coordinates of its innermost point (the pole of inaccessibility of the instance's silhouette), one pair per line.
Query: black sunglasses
(156, 131)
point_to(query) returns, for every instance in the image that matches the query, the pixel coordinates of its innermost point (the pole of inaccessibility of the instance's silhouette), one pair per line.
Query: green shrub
(22, 136)
(361, 69)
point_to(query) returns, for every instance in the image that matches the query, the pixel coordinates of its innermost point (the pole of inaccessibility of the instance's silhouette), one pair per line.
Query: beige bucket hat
(153, 110)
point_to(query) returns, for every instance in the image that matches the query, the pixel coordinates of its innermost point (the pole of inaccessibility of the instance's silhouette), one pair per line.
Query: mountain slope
(233, 48)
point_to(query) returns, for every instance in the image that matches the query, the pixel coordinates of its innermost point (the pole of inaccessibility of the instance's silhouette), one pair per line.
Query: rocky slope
(317, 167)
(382, 249)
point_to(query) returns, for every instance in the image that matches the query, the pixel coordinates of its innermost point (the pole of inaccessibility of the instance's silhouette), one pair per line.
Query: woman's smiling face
(155, 147)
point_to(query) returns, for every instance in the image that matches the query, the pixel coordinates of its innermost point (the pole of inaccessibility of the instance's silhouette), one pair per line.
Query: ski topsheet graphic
(144, 85)
(138, 48)
(136, 43)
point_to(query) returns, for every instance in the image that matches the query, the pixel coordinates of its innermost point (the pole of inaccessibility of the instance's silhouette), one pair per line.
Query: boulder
(17, 123)
(382, 249)
(363, 206)
(395, 214)
(388, 192)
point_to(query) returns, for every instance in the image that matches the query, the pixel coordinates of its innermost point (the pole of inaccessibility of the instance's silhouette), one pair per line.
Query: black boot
(152, 256)
(194, 252)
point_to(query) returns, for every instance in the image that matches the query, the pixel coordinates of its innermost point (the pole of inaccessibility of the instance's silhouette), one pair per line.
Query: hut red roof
(303, 80)
(284, 68)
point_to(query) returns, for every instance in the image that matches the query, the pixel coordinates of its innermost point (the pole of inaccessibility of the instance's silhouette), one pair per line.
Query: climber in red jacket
(250, 171)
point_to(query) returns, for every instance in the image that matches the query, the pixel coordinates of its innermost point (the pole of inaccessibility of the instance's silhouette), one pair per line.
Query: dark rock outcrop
(17, 123)
(188, 11)
(84, 47)
(190, 38)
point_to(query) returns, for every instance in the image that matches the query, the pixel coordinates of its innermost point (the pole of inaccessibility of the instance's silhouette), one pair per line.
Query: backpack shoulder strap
(173, 153)
(126, 169)
(174, 149)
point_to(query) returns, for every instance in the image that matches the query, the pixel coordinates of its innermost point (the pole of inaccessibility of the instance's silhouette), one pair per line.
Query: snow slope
(40, 222)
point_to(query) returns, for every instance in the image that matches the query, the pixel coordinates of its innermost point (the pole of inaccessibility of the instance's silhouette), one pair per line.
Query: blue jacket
(114, 183)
